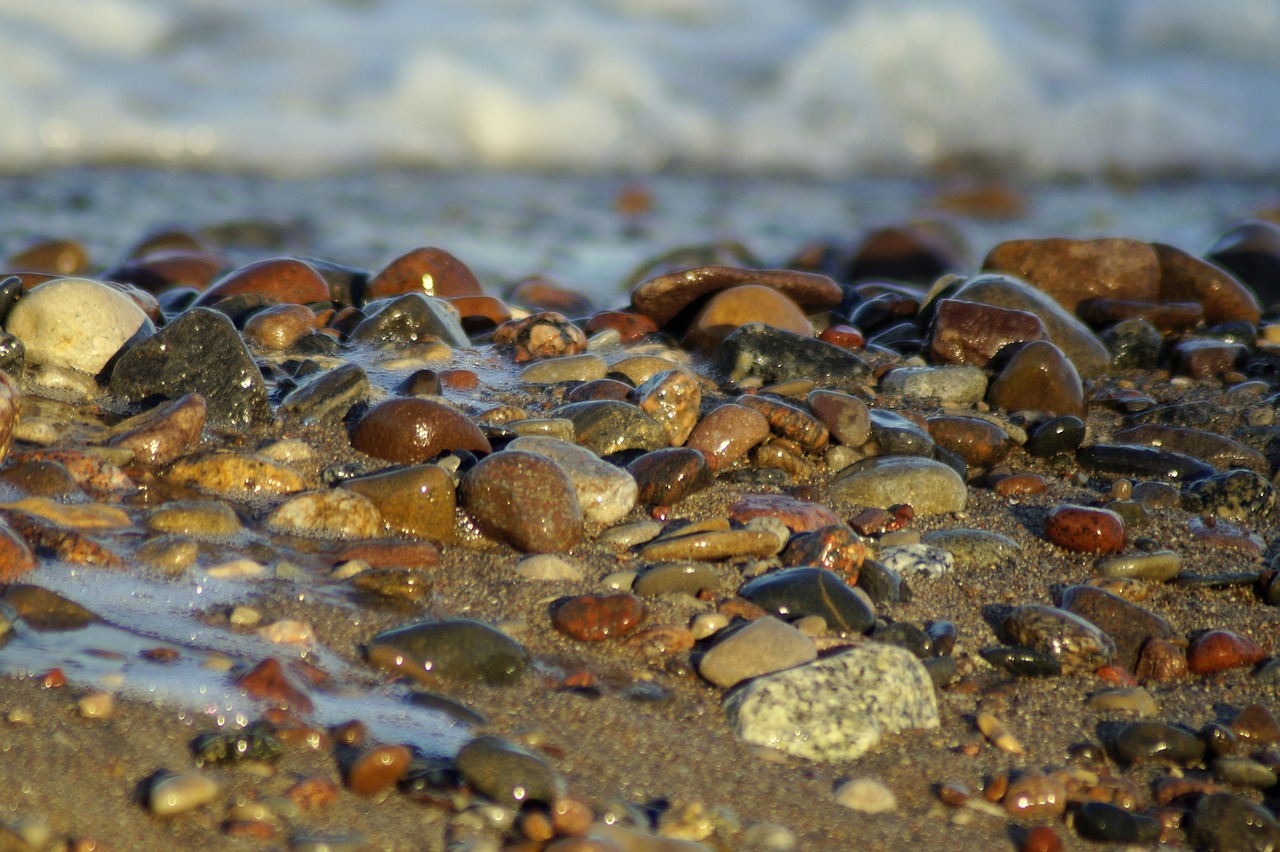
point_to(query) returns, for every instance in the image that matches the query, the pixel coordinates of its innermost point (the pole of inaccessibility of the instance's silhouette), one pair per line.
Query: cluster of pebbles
(1014, 522)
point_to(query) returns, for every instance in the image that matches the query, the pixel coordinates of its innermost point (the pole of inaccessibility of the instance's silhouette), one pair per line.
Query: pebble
(594, 618)
(500, 491)
(759, 647)
(607, 426)
(882, 584)
(797, 592)
(326, 398)
(728, 433)
(1081, 529)
(1159, 565)
(16, 558)
(1257, 725)
(978, 442)
(957, 385)
(505, 772)
(277, 280)
(97, 705)
(411, 430)
(835, 548)
(1128, 625)
(1023, 662)
(460, 649)
(799, 516)
(377, 770)
(762, 352)
(788, 421)
(547, 567)
(416, 501)
(179, 792)
(866, 795)
(1159, 661)
(1223, 822)
(335, 513)
(1218, 450)
(1140, 742)
(199, 519)
(1244, 772)
(712, 545)
(929, 487)
(198, 352)
(1142, 462)
(846, 417)
(605, 493)
(736, 306)
(917, 560)
(1107, 823)
(1135, 700)
(1062, 434)
(1236, 495)
(1221, 650)
(546, 334)
(278, 328)
(664, 296)
(427, 270)
(669, 476)
(75, 323)
(672, 578)
(409, 319)
(672, 398)
(964, 332)
(972, 547)
(567, 368)
(1080, 646)
(164, 433)
(1038, 377)
(1041, 838)
(838, 707)
(1037, 797)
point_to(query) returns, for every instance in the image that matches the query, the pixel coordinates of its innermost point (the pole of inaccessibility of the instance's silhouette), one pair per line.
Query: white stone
(918, 560)
(547, 566)
(605, 493)
(182, 792)
(958, 385)
(866, 795)
(75, 323)
(332, 513)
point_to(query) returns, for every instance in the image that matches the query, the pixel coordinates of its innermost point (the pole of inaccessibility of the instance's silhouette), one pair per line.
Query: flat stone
(460, 649)
(594, 618)
(332, 513)
(164, 433)
(524, 499)
(609, 426)
(756, 350)
(797, 592)
(75, 323)
(929, 487)
(711, 545)
(569, 368)
(970, 547)
(179, 792)
(964, 332)
(837, 708)
(1217, 450)
(506, 773)
(760, 647)
(687, 578)
(866, 795)
(547, 567)
(236, 475)
(959, 385)
(605, 493)
(800, 516)
(666, 477)
(664, 296)
(1160, 566)
(326, 397)
(1145, 462)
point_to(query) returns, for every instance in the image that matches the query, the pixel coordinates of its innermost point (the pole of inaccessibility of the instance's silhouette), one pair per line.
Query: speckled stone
(1079, 645)
(605, 493)
(929, 487)
(524, 499)
(977, 441)
(917, 560)
(1082, 529)
(607, 426)
(672, 398)
(1236, 495)
(970, 547)
(846, 417)
(958, 385)
(666, 477)
(760, 351)
(594, 618)
(236, 475)
(332, 513)
(834, 547)
(760, 647)
(836, 708)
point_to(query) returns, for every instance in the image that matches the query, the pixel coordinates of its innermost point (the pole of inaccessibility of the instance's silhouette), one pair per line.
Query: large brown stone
(965, 332)
(1184, 277)
(413, 430)
(1038, 378)
(431, 271)
(1073, 270)
(525, 500)
(416, 501)
(280, 280)
(663, 297)
(737, 306)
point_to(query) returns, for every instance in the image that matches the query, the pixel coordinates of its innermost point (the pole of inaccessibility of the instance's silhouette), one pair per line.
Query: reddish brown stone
(279, 327)
(1160, 660)
(844, 336)
(592, 618)
(542, 335)
(1038, 377)
(733, 307)
(916, 253)
(665, 477)
(432, 271)
(546, 295)
(1073, 270)
(1041, 838)
(1020, 485)
(846, 417)
(978, 442)
(525, 500)
(789, 422)
(164, 433)
(488, 308)
(268, 681)
(728, 433)
(1201, 358)
(630, 325)
(599, 389)
(836, 548)
(309, 794)
(1168, 317)
(281, 280)
(1221, 295)
(1256, 725)
(1036, 797)
(16, 558)
(973, 333)
(166, 270)
(1128, 624)
(378, 769)
(663, 297)
(412, 430)
(1219, 650)
(67, 545)
(799, 515)
(57, 257)
(459, 380)
(1081, 529)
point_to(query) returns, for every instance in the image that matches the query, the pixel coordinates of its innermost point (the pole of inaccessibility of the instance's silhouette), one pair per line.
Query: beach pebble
(548, 566)
(727, 433)
(1128, 624)
(668, 476)
(866, 795)
(332, 513)
(1107, 823)
(1159, 566)
(1142, 462)
(1074, 270)
(1081, 529)
(972, 547)
(1036, 797)
(1142, 742)
(505, 772)
(1160, 660)
(428, 270)
(278, 327)
(198, 352)
(846, 417)
(460, 649)
(917, 560)
(1187, 278)
(1020, 661)
(672, 398)
(788, 421)
(835, 548)
(978, 442)
(586, 367)
(1135, 700)
(195, 518)
(1079, 645)
(1062, 434)
(1237, 495)
(964, 332)
(605, 493)
(1218, 450)
(711, 545)
(736, 306)
(796, 592)
(178, 792)
(760, 647)
(1223, 821)
(416, 501)
(75, 323)
(1038, 377)
(760, 351)
(799, 516)
(1243, 772)
(377, 770)
(1220, 650)
(1256, 725)
(687, 578)
(410, 430)
(958, 385)
(609, 426)
(409, 319)
(277, 280)
(629, 535)
(664, 296)
(838, 707)
(97, 705)
(501, 491)
(929, 487)
(327, 397)
(164, 433)
(594, 618)
(16, 558)
(547, 334)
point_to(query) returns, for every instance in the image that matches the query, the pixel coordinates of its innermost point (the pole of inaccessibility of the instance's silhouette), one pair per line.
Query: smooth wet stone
(672, 398)
(970, 547)
(711, 545)
(1236, 495)
(416, 501)
(788, 421)
(410, 430)
(760, 647)
(53, 256)
(569, 368)
(16, 558)
(1108, 823)
(866, 795)
(1083, 529)
(199, 352)
(1134, 344)
(1160, 660)
(797, 592)
(1081, 345)
(1061, 434)
(1128, 624)
(896, 435)
(1256, 725)
(1134, 700)
(728, 433)
(1160, 566)
(835, 547)
(882, 584)
(846, 417)
(917, 560)
(666, 477)
(1224, 298)
(279, 327)
(547, 334)
(605, 493)
(772, 355)
(325, 398)
(977, 441)
(1078, 644)
(547, 567)
(198, 519)
(1073, 270)
(734, 307)
(428, 271)
(1147, 462)
(411, 318)
(1020, 661)
(929, 487)
(1036, 797)
(687, 578)
(1221, 650)
(179, 792)
(42, 609)
(75, 323)
(524, 499)
(162, 434)
(799, 516)
(459, 649)
(236, 475)
(1041, 378)
(277, 280)
(1217, 450)
(836, 708)
(594, 618)
(331, 513)
(664, 296)
(506, 773)
(1224, 822)
(959, 385)
(1250, 250)
(611, 426)
(1144, 742)
(1244, 772)
(378, 769)
(963, 332)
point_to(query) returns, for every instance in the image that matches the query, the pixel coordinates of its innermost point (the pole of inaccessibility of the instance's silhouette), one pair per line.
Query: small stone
(928, 486)
(1081, 529)
(506, 773)
(672, 578)
(733, 307)
(1222, 822)
(195, 518)
(799, 516)
(1062, 434)
(976, 441)
(333, 513)
(1140, 742)
(1073, 270)
(279, 327)
(895, 435)
(973, 547)
(727, 433)
(593, 618)
(1236, 495)
(410, 319)
(277, 280)
(410, 430)
(1128, 624)
(1160, 660)
(327, 397)
(756, 350)
(664, 296)
(711, 545)
(1220, 650)
(1244, 772)
(797, 592)
(177, 793)
(1107, 823)
(99, 705)
(428, 270)
(503, 488)
(998, 735)
(1038, 377)
(959, 385)
(760, 647)
(605, 493)
(566, 368)
(668, 476)
(236, 475)
(416, 501)
(835, 548)
(1135, 700)
(1159, 565)
(547, 334)
(917, 560)
(1080, 646)
(1023, 662)
(75, 323)
(378, 770)
(1033, 796)
(548, 567)
(608, 426)
(866, 795)
(460, 649)
(672, 398)
(164, 433)
(16, 558)
(1041, 838)
(1142, 462)
(964, 332)
(1256, 725)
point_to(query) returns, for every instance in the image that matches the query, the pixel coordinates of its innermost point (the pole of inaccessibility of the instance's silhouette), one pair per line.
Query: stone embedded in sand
(525, 500)
(770, 354)
(459, 649)
(416, 501)
(199, 519)
(664, 296)
(929, 487)
(164, 433)
(75, 323)
(326, 397)
(950, 385)
(429, 271)
(199, 352)
(178, 792)
(665, 477)
(1085, 529)
(506, 773)
(378, 769)
(236, 475)
(594, 618)
(1128, 624)
(1073, 270)
(711, 545)
(797, 592)
(979, 442)
(277, 280)
(1040, 378)
(410, 430)
(1236, 495)
(332, 513)
(605, 493)
(964, 332)
(1218, 450)
(1078, 644)
(269, 681)
(411, 318)
(1219, 650)
(837, 708)
(737, 306)
(834, 547)
(761, 647)
(391, 553)
(788, 421)
(1145, 462)
(673, 399)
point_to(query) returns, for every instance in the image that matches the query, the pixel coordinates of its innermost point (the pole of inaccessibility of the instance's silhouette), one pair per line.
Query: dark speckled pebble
(1222, 822)
(1023, 662)
(1236, 495)
(1059, 435)
(459, 648)
(882, 584)
(904, 634)
(897, 436)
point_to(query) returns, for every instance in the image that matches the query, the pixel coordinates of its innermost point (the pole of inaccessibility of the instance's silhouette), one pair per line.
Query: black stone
(1059, 435)
(1147, 462)
(505, 772)
(1023, 662)
(773, 355)
(1237, 495)
(797, 592)
(895, 435)
(1224, 580)
(1144, 742)
(1134, 344)
(1110, 824)
(410, 318)
(881, 583)
(327, 397)
(906, 635)
(459, 648)
(199, 352)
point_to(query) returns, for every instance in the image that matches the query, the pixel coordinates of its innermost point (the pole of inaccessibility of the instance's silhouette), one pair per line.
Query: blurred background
(827, 88)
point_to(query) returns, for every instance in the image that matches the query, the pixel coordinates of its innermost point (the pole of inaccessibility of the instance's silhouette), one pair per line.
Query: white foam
(822, 86)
